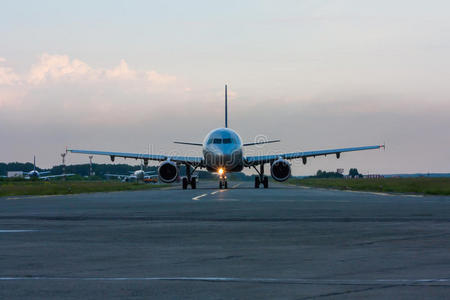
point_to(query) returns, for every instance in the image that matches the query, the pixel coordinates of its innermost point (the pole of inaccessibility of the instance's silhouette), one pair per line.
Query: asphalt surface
(278, 243)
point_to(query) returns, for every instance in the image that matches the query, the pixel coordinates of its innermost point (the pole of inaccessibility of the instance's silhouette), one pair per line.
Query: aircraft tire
(193, 183)
(185, 183)
(257, 183)
(220, 185)
(266, 182)
(225, 185)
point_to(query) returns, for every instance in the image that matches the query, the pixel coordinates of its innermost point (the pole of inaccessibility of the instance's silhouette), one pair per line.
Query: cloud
(7, 75)
(56, 67)
(122, 71)
(63, 68)
(159, 78)
(60, 88)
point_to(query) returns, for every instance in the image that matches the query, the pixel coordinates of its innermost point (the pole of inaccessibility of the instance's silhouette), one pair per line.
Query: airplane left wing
(191, 160)
(55, 176)
(256, 160)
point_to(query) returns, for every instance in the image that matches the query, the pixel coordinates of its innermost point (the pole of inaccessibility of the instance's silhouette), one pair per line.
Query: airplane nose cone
(228, 159)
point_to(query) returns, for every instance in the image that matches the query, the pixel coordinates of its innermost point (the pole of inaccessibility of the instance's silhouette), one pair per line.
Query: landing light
(220, 171)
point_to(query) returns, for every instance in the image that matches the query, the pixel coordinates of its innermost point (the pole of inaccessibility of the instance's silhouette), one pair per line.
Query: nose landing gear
(223, 184)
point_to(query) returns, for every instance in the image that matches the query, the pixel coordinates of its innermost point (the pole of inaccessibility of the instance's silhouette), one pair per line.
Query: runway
(284, 242)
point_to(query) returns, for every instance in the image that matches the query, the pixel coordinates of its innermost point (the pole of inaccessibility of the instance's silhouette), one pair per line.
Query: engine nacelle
(280, 170)
(168, 171)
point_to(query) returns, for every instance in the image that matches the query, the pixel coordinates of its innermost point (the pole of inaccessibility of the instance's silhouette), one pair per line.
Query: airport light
(220, 171)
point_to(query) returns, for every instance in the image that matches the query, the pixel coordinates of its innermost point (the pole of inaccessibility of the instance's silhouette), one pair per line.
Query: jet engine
(280, 170)
(168, 171)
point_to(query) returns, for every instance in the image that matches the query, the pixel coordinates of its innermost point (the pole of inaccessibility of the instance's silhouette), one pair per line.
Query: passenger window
(217, 141)
(227, 141)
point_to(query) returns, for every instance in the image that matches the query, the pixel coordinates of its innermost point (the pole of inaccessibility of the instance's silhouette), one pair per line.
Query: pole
(90, 165)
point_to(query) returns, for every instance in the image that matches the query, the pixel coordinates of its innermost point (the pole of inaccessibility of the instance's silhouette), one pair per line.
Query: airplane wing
(256, 160)
(116, 175)
(55, 176)
(191, 160)
(45, 172)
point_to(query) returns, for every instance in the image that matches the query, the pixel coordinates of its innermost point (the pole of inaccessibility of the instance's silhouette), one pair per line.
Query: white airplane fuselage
(222, 149)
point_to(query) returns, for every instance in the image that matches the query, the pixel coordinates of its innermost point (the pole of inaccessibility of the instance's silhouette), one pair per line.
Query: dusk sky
(123, 75)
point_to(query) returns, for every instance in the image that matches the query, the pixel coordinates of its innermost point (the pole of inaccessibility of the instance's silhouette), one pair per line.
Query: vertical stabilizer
(226, 107)
(34, 163)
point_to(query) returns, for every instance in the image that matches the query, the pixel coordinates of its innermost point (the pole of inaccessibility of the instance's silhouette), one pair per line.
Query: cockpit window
(227, 141)
(210, 141)
(217, 141)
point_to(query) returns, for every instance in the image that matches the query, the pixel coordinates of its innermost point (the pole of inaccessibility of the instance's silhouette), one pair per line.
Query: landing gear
(260, 178)
(189, 179)
(264, 182)
(185, 183)
(223, 184)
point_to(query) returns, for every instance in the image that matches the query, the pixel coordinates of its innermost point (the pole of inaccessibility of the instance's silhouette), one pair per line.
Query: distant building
(340, 171)
(12, 174)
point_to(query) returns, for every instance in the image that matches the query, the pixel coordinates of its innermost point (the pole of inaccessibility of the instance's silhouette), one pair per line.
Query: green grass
(419, 185)
(16, 188)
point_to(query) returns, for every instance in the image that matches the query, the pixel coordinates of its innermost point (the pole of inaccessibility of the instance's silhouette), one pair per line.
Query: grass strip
(21, 188)
(417, 185)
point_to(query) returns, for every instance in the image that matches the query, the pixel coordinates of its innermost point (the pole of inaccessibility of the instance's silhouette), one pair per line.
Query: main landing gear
(260, 178)
(189, 179)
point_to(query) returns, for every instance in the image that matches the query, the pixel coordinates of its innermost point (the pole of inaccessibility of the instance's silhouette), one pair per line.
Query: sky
(134, 76)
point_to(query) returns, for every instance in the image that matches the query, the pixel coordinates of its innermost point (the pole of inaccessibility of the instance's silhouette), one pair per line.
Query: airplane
(138, 175)
(223, 153)
(35, 174)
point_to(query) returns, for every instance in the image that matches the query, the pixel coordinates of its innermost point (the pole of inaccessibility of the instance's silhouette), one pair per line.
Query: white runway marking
(198, 197)
(16, 230)
(235, 186)
(213, 193)
(401, 282)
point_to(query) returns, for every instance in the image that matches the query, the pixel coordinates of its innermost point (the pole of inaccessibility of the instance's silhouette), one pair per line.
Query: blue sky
(317, 74)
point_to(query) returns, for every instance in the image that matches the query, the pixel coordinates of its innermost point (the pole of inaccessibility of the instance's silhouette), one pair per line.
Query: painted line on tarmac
(213, 193)
(35, 197)
(236, 185)
(384, 194)
(200, 196)
(374, 282)
(17, 230)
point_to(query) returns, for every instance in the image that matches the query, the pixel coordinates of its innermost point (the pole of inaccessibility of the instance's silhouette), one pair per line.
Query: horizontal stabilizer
(187, 143)
(262, 142)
